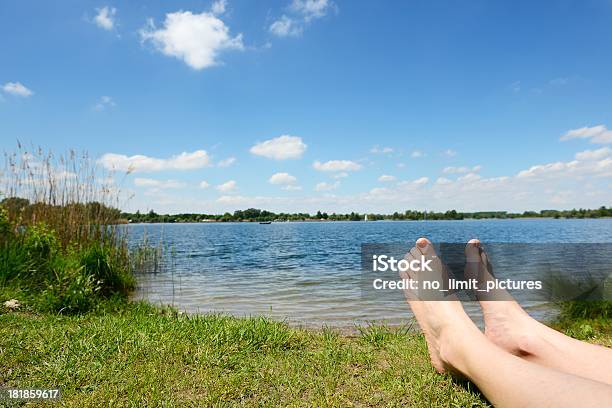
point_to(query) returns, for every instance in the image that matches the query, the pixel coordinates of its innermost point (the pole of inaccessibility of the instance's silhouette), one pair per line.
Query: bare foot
(506, 323)
(440, 320)
(509, 327)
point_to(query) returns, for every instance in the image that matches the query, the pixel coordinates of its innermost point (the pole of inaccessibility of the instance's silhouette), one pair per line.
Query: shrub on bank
(109, 267)
(586, 309)
(71, 279)
(72, 291)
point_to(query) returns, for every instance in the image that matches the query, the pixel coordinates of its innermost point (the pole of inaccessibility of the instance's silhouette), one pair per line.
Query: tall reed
(70, 193)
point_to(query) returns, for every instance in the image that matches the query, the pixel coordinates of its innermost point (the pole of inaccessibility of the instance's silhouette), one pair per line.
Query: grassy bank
(137, 355)
(133, 354)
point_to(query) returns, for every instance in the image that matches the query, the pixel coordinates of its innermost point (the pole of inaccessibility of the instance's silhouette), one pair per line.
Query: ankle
(527, 343)
(532, 336)
(455, 341)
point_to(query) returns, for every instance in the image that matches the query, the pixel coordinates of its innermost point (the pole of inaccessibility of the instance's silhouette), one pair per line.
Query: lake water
(309, 273)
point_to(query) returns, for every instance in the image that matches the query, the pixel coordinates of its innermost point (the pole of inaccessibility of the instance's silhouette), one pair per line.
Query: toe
(472, 251)
(424, 245)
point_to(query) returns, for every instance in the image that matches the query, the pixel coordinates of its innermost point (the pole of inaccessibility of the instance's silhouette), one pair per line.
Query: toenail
(422, 242)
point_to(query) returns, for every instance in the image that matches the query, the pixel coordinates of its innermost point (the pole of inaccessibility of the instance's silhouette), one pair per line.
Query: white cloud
(145, 182)
(280, 148)
(596, 154)
(311, 9)
(416, 154)
(227, 187)
(381, 150)
(542, 169)
(286, 27)
(337, 165)
(341, 175)
(461, 170)
(286, 180)
(160, 184)
(449, 153)
(238, 200)
(469, 177)
(412, 185)
(516, 86)
(140, 163)
(324, 186)
(226, 162)
(17, 89)
(103, 103)
(301, 13)
(218, 7)
(204, 184)
(386, 177)
(589, 163)
(379, 191)
(197, 39)
(597, 134)
(282, 178)
(443, 181)
(105, 18)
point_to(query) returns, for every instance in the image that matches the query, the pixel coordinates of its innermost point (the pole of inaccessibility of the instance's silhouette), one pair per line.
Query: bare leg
(510, 327)
(456, 344)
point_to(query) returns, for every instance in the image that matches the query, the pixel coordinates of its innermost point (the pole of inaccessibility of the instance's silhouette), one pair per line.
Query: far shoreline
(267, 217)
(360, 221)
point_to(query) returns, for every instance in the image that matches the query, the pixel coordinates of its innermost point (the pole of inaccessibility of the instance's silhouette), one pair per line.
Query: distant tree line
(92, 212)
(22, 208)
(256, 215)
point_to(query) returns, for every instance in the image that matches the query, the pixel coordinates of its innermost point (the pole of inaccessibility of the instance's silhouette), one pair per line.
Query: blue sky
(405, 105)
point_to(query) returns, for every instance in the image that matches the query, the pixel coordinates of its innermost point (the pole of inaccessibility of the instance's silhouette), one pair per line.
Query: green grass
(133, 354)
(588, 320)
(586, 309)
